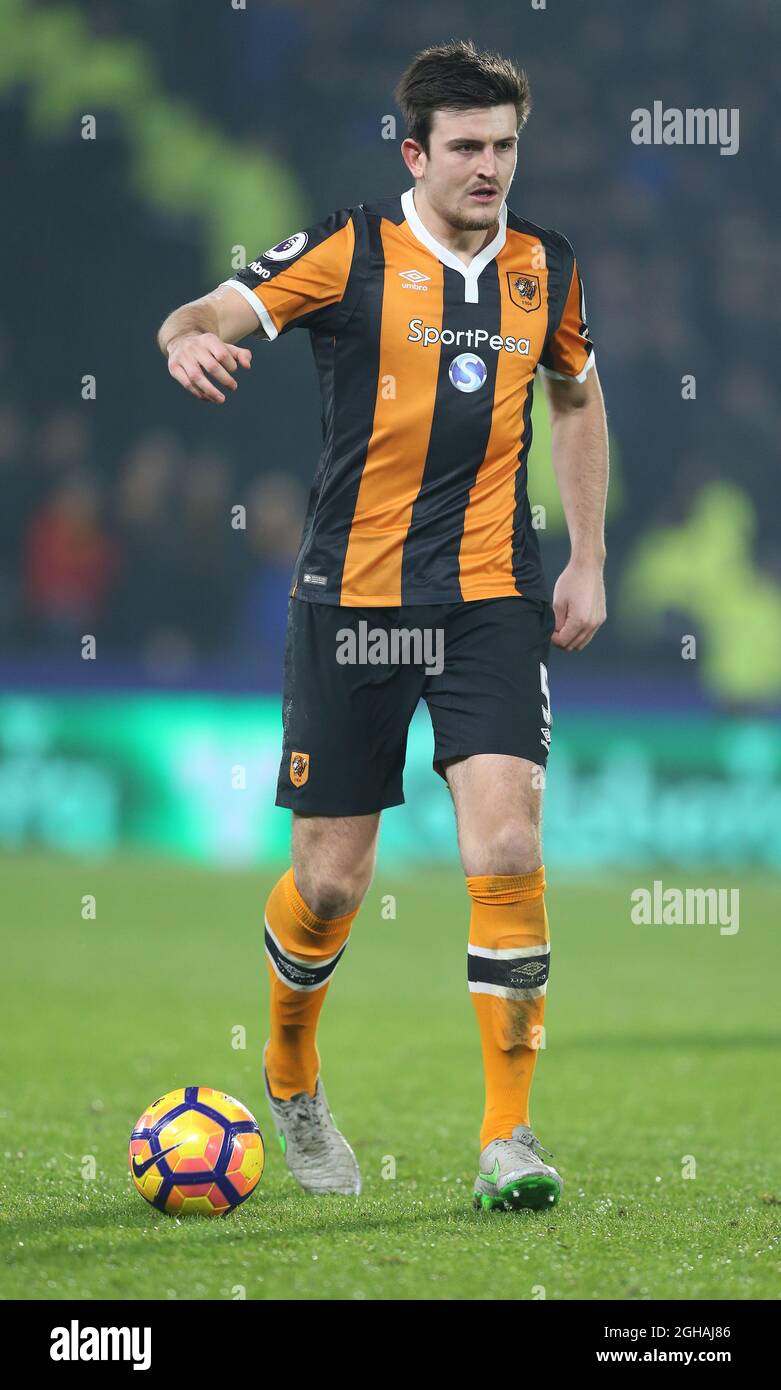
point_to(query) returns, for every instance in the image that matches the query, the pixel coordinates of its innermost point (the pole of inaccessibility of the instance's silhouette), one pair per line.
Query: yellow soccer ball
(196, 1150)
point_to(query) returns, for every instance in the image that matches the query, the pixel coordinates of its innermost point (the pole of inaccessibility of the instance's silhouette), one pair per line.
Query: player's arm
(312, 279)
(200, 342)
(580, 461)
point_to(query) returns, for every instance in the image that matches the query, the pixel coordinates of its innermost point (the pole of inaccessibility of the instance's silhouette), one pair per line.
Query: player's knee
(329, 895)
(509, 847)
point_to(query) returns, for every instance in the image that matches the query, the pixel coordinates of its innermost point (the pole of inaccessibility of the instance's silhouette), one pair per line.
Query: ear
(414, 157)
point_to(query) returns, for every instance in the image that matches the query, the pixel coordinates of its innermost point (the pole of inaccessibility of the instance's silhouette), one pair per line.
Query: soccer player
(430, 315)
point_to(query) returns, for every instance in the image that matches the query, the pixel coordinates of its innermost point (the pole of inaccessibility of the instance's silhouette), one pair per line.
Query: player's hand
(579, 604)
(192, 355)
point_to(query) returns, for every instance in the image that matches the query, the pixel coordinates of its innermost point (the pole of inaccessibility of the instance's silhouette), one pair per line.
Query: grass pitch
(661, 1059)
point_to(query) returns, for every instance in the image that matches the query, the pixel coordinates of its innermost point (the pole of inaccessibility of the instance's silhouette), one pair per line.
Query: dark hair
(457, 76)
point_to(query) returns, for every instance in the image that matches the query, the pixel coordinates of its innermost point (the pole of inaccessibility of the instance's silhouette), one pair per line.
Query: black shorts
(354, 676)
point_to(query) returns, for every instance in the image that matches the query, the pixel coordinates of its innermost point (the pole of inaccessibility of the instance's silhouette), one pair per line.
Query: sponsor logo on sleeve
(287, 249)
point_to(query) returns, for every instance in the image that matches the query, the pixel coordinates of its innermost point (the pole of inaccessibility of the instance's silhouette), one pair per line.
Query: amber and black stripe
(420, 494)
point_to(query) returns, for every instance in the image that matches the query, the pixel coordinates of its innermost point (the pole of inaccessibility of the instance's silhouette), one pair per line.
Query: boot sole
(536, 1192)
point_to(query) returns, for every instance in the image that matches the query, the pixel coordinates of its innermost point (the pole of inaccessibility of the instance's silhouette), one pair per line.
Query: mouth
(484, 195)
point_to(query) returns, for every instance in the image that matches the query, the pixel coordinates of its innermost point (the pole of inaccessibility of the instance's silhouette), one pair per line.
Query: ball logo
(467, 372)
(285, 250)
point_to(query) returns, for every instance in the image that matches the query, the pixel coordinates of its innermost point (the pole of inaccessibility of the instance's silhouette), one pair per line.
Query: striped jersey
(426, 370)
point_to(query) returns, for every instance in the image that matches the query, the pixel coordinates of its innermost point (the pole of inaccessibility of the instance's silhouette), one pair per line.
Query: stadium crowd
(157, 553)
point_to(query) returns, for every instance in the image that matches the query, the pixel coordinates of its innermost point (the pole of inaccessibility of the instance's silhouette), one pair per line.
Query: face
(470, 164)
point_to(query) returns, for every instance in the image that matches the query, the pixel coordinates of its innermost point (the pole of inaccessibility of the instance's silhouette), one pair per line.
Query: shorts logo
(285, 250)
(524, 290)
(299, 768)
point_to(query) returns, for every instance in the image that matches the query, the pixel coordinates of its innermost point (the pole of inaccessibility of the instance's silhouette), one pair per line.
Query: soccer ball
(196, 1150)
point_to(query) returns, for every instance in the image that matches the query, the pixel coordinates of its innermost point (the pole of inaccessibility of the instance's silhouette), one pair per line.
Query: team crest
(524, 290)
(299, 768)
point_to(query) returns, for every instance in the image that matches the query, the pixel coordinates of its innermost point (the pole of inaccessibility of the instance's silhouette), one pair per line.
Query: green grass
(662, 1042)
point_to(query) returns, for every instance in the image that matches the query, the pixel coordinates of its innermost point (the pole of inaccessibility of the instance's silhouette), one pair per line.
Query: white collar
(476, 265)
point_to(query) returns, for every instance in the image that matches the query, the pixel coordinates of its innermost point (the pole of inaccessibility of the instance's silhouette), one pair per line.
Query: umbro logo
(414, 279)
(527, 971)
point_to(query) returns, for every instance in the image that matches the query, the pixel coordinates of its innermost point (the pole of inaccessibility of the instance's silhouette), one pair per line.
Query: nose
(487, 164)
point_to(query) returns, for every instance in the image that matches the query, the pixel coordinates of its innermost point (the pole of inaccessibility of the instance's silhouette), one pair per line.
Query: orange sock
(302, 952)
(509, 950)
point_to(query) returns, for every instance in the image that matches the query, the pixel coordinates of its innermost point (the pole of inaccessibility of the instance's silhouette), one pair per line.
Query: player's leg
(345, 725)
(309, 916)
(498, 810)
(498, 804)
(308, 919)
(345, 729)
(491, 715)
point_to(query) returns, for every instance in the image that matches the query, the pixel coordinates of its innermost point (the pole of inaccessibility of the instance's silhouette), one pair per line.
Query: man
(429, 316)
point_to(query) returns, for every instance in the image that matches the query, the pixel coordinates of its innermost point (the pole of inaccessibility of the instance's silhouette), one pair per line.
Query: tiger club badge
(524, 290)
(299, 768)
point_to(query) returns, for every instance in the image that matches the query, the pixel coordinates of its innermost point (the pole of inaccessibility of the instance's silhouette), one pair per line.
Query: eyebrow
(470, 140)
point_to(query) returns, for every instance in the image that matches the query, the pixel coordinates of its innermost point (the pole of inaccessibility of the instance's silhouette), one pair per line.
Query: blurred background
(215, 132)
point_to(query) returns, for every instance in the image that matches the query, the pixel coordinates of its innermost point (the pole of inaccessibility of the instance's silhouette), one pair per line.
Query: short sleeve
(569, 352)
(306, 280)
